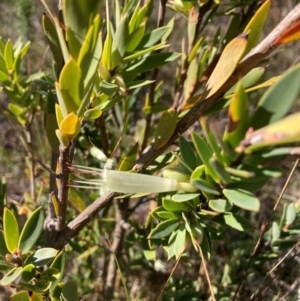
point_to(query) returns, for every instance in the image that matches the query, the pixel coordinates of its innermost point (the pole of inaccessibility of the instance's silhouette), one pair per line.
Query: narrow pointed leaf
(256, 24)
(238, 122)
(31, 230)
(290, 214)
(128, 161)
(205, 154)
(164, 229)
(179, 244)
(151, 62)
(152, 38)
(119, 43)
(227, 63)
(278, 100)
(187, 153)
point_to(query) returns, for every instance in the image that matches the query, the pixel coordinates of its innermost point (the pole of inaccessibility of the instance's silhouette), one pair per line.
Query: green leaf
(69, 291)
(278, 100)
(205, 154)
(50, 274)
(119, 43)
(242, 199)
(234, 221)
(2, 192)
(187, 153)
(173, 206)
(220, 205)
(152, 38)
(151, 62)
(290, 214)
(9, 56)
(11, 230)
(73, 11)
(90, 53)
(256, 24)
(15, 109)
(92, 114)
(11, 276)
(205, 186)
(179, 244)
(238, 114)
(52, 39)
(166, 215)
(135, 38)
(51, 127)
(275, 231)
(31, 230)
(220, 170)
(28, 272)
(71, 85)
(43, 256)
(128, 161)
(20, 296)
(165, 128)
(184, 197)
(206, 245)
(108, 88)
(58, 263)
(164, 229)
(3, 249)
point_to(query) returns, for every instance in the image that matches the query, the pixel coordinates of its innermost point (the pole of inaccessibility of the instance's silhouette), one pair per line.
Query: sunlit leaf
(227, 63)
(184, 197)
(70, 126)
(11, 276)
(234, 221)
(290, 214)
(242, 199)
(256, 24)
(10, 230)
(20, 296)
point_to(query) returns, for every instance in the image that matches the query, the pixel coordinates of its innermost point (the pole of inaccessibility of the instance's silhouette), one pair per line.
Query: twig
(265, 228)
(46, 167)
(207, 275)
(248, 63)
(169, 278)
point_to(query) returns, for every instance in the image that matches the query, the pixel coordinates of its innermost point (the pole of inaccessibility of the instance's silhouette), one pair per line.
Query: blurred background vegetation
(23, 18)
